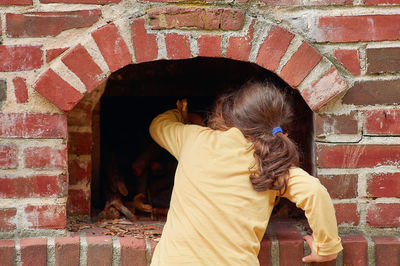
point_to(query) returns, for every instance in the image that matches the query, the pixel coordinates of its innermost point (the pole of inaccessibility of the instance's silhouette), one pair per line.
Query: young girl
(228, 178)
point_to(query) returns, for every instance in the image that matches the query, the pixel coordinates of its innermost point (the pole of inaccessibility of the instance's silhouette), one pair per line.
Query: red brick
(382, 122)
(355, 250)
(384, 215)
(8, 156)
(357, 156)
(16, 2)
(46, 216)
(239, 48)
(340, 186)
(381, 2)
(232, 19)
(32, 186)
(67, 250)
(99, 250)
(373, 92)
(347, 213)
(350, 59)
(383, 60)
(273, 48)
(8, 219)
(7, 252)
(358, 28)
(33, 251)
(307, 3)
(28, 125)
(291, 244)
(112, 46)
(79, 143)
(20, 57)
(387, 250)
(81, 115)
(60, 93)
(264, 256)
(80, 171)
(209, 45)
(178, 46)
(78, 202)
(95, 2)
(81, 63)
(144, 44)
(45, 158)
(306, 57)
(43, 24)
(20, 90)
(328, 124)
(321, 91)
(384, 185)
(51, 54)
(133, 251)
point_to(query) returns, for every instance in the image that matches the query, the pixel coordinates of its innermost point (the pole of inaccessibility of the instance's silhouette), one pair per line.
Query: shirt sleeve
(311, 196)
(169, 131)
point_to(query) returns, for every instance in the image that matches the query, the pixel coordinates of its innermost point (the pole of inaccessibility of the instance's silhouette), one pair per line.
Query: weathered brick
(347, 213)
(81, 63)
(291, 243)
(178, 46)
(382, 122)
(95, 2)
(239, 48)
(67, 250)
(61, 93)
(340, 186)
(112, 46)
(382, 2)
(81, 115)
(32, 186)
(45, 158)
(133, 251)
(80, 143)
(99, 250)
(20, 57)
(33, 251)
(30, 125)
(264, 256)
(20, 90)
(307, 3)
(328, 124)
(384, 185)
(350, 59)
(8, 219)
(306, 57)
(273, 48)
(232, 19)
(327, 87)
(7, 252)
(384, 215)
(46, 216)
(383, 60)
(42, 24)
(3, 91)
(78, 202)
(357, 156)
(387, 250)
(209, 45)
(79, 170)
(144, 44)
(373, 92)
(355, 250)
(16, 2)
(51, 54)
(8, 156)
(358, 28)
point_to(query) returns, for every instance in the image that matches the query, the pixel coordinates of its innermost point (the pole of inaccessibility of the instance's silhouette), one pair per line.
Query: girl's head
(256, 109)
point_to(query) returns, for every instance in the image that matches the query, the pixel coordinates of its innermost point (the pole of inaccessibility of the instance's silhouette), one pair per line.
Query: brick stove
(342, 56)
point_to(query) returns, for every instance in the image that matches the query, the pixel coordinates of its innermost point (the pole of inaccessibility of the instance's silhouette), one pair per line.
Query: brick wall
(343, 56)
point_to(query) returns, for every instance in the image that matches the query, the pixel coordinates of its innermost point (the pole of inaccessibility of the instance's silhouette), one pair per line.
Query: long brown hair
(256, 109)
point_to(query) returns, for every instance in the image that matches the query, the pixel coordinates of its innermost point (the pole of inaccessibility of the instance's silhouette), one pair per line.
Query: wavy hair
(256, 108)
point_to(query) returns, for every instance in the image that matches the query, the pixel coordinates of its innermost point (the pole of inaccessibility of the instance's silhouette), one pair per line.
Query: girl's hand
(314, 257)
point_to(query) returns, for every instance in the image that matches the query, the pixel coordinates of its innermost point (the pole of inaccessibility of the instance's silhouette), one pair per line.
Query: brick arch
(108, 48)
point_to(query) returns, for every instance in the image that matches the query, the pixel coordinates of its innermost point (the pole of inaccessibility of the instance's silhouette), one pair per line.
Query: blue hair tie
(276, 130)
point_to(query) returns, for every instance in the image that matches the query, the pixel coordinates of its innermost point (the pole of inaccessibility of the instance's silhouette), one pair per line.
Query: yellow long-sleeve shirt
(215, 215)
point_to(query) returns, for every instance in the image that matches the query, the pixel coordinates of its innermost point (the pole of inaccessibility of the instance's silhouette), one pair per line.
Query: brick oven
(58, 59)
